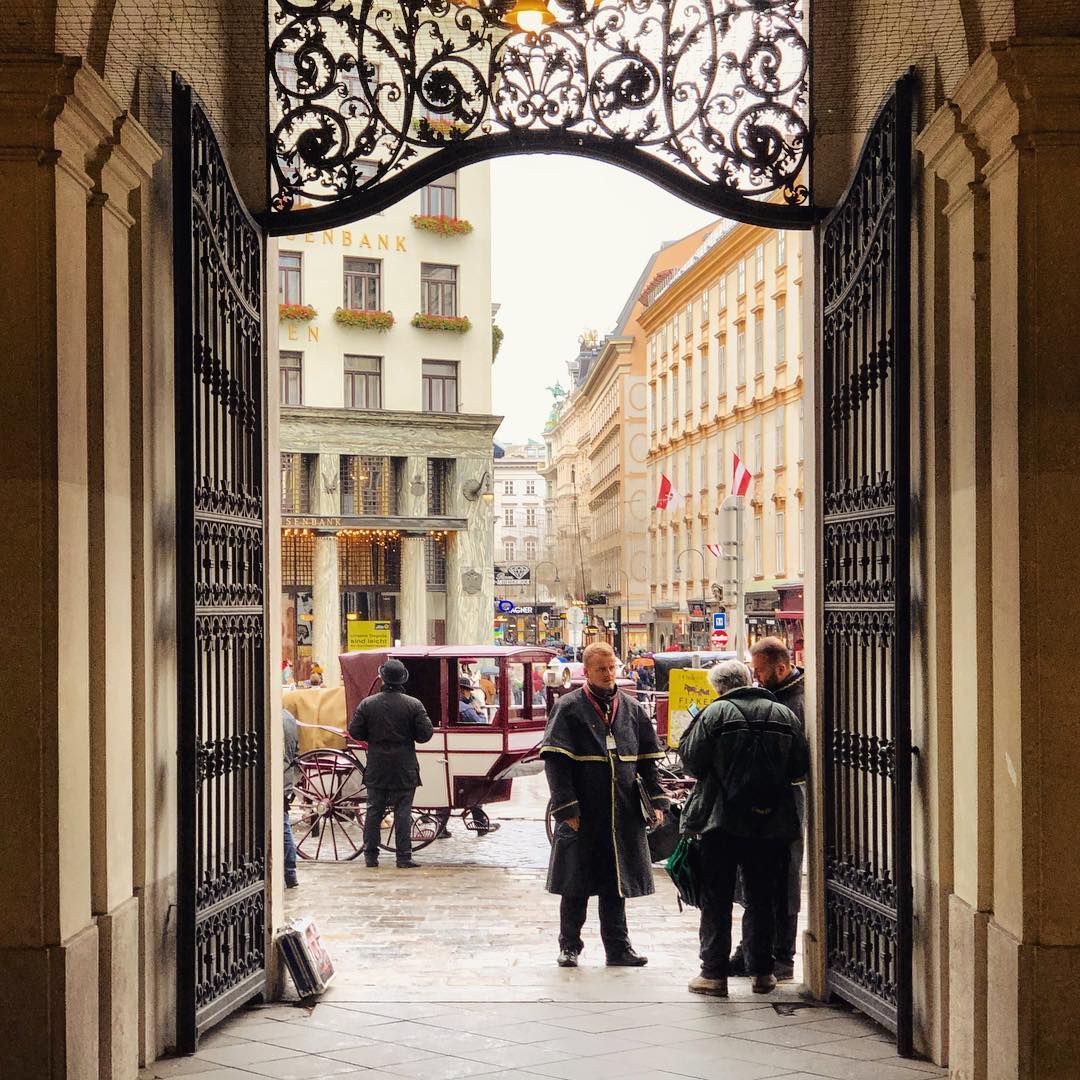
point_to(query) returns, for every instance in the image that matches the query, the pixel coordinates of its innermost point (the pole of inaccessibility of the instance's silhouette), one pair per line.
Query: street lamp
(704, 575)
(536, 603)
(479, 489)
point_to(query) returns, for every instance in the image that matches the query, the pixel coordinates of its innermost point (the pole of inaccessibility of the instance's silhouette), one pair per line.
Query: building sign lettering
(512, 574)
(348, 238)
(364, 634)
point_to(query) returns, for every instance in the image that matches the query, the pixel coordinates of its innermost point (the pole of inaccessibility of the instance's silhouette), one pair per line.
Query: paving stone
(305, 1067)
(380, 1055)
(245, 1053)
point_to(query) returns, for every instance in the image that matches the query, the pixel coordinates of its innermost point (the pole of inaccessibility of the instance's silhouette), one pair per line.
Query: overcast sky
(570, 237)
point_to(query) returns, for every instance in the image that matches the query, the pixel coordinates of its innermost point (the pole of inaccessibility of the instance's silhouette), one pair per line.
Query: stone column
(412, 502)
(326, 643)
(470, 585)
(121, 167)
(65, 144)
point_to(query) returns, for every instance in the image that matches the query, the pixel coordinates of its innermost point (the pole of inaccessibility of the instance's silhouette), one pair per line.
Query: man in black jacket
(746, 749)
(391, 723)
(597, 746)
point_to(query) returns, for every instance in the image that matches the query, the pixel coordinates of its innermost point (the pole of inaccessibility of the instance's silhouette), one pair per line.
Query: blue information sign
(719, 620)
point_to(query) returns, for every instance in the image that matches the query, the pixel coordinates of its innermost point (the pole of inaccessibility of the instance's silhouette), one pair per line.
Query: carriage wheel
(327, 812)
(425, 827)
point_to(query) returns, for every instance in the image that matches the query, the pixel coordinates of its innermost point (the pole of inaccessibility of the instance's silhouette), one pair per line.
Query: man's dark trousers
(613, 931)
(379, 800)
(764, 864)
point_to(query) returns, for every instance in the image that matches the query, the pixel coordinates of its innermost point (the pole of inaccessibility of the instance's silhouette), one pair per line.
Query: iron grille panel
(221, 891)
(372, 100)
(435, 561)
(298, 559)
(367, 486)
(865, 283)
(369, 561)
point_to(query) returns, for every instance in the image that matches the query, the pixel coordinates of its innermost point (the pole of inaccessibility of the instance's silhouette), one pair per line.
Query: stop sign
(720, 639)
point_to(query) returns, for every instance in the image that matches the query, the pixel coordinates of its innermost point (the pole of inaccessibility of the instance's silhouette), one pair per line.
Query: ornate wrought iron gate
(865, 335)
(221, 878)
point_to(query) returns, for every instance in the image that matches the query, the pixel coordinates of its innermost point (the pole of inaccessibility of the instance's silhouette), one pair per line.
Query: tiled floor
(449, 971)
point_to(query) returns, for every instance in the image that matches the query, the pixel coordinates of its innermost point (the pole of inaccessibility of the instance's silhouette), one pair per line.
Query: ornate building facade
(385, 353)
(725, 378)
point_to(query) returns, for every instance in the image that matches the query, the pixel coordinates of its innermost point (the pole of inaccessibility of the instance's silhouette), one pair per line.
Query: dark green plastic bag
(684, 869)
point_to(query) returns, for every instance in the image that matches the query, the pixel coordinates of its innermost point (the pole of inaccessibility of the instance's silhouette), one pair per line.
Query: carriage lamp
(479, 489)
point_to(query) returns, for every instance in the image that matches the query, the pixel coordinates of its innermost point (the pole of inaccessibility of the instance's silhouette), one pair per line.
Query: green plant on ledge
(296, 312)
(364, 320)
(442, 225)
(497, 336)
(456, 324)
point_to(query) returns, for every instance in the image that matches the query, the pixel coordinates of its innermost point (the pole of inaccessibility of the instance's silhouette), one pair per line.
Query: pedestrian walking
(292, 774)
(770, 662)
(391, 723)
(746, 750)
(600, 753)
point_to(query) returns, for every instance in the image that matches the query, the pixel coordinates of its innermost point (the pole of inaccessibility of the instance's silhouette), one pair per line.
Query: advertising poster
(686, 687)
(365, 634)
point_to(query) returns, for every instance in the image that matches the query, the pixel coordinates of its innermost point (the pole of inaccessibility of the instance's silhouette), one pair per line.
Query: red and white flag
(715, 550)
(667, 498)
(741, 477)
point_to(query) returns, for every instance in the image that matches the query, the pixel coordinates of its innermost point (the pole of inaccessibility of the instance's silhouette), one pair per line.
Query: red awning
(789, 614)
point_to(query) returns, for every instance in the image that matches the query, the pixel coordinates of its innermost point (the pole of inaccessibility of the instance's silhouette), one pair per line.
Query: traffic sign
(719, 620)
(506, 606)
(720, 639)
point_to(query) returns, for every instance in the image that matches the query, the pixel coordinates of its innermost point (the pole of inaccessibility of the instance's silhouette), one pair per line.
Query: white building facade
(385, 353)
(524, 576)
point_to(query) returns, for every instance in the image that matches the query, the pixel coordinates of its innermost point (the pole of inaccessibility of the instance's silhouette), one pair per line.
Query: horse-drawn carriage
(463, 767)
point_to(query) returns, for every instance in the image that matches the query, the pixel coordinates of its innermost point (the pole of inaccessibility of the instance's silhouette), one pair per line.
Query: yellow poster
(368, 635)
(686, 687)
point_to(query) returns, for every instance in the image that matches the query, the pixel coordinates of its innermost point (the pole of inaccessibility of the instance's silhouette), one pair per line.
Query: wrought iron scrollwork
(374, 98)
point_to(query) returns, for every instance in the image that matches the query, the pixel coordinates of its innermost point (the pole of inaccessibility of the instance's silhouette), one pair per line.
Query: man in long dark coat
(391, 723)
(600, 753)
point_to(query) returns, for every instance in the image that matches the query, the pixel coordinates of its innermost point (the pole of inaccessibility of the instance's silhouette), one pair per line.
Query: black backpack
(756, 784)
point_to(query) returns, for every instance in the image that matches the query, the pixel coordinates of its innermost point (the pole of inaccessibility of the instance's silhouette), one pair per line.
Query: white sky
(570, 237)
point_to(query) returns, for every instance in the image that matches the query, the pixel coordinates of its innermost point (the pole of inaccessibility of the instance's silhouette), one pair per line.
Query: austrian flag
(667, 498)
(741, 477)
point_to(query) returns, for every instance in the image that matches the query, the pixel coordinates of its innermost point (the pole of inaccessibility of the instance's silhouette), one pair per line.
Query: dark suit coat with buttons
(609, 854)
(391, 723)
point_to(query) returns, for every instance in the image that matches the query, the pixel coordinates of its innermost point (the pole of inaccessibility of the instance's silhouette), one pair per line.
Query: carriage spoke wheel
(327, 812)
(425, 827)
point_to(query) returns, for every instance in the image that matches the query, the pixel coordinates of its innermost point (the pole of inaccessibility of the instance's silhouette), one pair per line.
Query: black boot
(627, 958)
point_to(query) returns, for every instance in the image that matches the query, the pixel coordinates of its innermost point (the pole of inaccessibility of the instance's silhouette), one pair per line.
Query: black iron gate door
(865, 337)
(221, 881)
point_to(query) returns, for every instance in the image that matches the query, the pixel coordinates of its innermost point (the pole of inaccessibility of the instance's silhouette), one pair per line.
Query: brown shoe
(713, 987)
(763, 984)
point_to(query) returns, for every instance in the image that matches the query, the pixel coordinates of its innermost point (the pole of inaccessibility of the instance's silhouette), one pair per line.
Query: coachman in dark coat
(600, 753)
(391, 723)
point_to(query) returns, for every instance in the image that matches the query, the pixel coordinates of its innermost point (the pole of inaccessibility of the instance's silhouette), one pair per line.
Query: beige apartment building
(725, 377)
(599, 486)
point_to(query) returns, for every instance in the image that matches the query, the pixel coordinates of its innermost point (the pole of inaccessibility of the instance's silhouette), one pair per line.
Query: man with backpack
(746, 749)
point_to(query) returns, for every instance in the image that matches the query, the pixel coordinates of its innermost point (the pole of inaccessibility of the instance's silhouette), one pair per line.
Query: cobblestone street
(449, 971)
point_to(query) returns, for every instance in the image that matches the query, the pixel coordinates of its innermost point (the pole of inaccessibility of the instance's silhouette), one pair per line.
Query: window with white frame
(704, 378)
(781, 554)
(759, 264)
(674, 396)
(781, 248)
(686, 475)
(530, 487)
(509, 550)
(663, 403)
(802, 539)
(530, 517)
(508, 516)
(781, 332)
(688, 319)
(438, 289)
(759, 569)
(363, 382)
(720, 461)
(508, 487)
(802, 430)
(740, 278)
(759, 345)
(530, 551)
(739, 444)
(740, 357)
(721, 370)
(721, 293)
(755, 446)
(779, 426)
(688, 403)
(363, 284)
(703, 470)
(705, 306)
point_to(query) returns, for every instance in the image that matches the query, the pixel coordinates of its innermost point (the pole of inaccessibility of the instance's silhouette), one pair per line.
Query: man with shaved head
(600, 753)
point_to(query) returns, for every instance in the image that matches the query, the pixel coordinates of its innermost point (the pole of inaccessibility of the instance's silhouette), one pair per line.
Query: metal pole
(740, 602)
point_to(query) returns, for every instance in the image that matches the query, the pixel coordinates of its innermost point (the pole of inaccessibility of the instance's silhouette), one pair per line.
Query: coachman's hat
(394, 673)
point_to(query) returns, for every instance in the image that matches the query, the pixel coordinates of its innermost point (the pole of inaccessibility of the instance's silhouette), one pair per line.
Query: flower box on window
(364, 320)
(296, 312)
(442, 225)
(456, 324)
